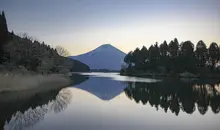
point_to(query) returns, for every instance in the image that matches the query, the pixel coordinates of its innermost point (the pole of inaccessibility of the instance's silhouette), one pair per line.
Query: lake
(108, 101)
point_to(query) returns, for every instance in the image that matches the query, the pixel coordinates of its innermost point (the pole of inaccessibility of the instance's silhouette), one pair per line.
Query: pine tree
(3, 29)
(3, 34)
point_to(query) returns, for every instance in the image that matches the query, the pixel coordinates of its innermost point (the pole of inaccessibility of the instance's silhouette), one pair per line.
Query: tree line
(174, 57)
(26, 54)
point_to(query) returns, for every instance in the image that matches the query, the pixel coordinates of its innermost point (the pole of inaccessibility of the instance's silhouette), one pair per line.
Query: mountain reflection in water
(103, 101)
(176, 96)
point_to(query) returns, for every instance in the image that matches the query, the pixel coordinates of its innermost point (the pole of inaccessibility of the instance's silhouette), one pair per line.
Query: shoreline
(178, 75)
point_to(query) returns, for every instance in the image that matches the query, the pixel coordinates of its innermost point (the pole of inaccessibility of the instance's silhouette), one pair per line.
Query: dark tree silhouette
(201, 53)
(173, 48)
(144, 54)
(187, 48)
(154, 53)
(213, 54)
(174, 59)
(3, 35)
(128, 58)
(164, 49)
(137, 57)
(3, 29)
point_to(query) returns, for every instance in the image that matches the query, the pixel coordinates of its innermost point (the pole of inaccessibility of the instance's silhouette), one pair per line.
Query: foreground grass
(18, 82)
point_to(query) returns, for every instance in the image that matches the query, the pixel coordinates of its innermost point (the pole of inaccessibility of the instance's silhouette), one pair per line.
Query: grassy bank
(18, 82)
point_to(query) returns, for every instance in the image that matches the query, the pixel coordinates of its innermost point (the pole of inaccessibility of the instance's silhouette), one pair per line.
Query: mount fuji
(104, 57)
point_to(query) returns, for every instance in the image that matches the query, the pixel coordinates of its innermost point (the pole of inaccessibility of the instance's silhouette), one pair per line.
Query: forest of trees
(174, 58)
(26, 54)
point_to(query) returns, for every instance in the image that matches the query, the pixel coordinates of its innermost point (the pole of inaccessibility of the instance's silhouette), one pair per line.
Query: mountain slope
(104, 57)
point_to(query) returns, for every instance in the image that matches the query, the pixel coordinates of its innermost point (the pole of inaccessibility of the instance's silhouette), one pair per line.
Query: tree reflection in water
(177, 96)
(62, 100)
(29, 118)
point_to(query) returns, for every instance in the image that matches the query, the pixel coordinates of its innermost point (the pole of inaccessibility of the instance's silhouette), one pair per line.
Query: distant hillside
(25, 54)
(22, 53)
(104, 57)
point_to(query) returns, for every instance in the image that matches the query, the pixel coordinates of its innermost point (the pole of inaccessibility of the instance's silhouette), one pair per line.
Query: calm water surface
(108, 101)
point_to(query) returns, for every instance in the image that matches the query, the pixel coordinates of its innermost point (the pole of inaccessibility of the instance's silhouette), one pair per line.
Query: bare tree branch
(62, 51)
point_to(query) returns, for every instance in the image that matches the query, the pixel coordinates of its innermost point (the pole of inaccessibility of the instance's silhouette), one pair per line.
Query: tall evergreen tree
(173, 48)
(213, 53)
(128, 59)
(187, 48)
(3, 29)
(164, 49)
(201, 53)
(3, 34)
(137, 57)
(144, 54)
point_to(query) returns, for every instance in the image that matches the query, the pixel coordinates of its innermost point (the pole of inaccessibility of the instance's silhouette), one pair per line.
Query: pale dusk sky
(83, 25)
